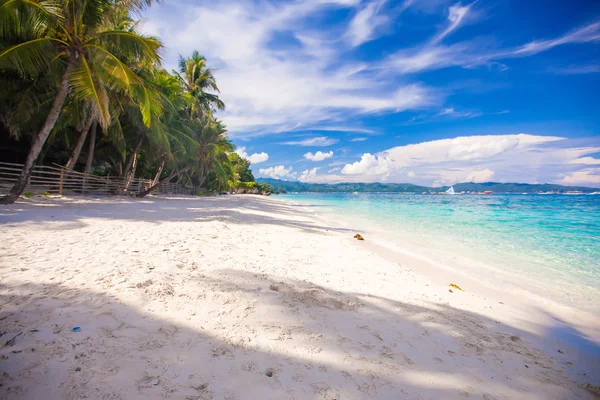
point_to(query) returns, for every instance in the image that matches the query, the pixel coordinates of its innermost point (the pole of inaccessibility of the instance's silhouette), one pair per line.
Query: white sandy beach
(246, 297)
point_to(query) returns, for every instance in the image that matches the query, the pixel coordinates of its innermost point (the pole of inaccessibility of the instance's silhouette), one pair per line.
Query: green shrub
(46, 194)
(242, 185)
(265, 187)
(27, 194)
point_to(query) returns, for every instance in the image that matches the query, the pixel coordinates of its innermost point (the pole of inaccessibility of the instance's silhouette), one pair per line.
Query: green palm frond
(129, 44)
(117, 137)
(86, 88)
(30, 19)
(29, 58)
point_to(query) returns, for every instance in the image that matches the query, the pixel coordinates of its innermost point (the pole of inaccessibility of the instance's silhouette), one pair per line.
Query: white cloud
(456, 16)
(484, 175)
(316, 141)
(271, 90)
(278, 172)
(586, 161)
(358, 139)
(503, 158)
(315, 77)
(369, 165)
(255, 158)
(588, 33)
(365, 23)
(477, 52)
(585, 177)
(308, 175)
(318, 156)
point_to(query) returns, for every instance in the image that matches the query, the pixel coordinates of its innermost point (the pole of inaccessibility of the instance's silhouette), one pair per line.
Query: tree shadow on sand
(237, 210)
(280, 338)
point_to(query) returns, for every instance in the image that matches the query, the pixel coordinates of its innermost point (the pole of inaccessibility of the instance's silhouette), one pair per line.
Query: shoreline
(468, 260)
(569, 327)
(208, 296)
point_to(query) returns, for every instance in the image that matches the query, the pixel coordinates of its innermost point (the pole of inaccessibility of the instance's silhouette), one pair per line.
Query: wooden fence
(59, 180)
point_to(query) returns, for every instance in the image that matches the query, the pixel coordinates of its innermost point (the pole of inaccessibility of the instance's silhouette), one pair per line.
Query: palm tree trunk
(167, 179)
(40, 139)
(160, 170)
(92, 146)
(133, 156)
(80, 141)
(42, 155)
(131, 176)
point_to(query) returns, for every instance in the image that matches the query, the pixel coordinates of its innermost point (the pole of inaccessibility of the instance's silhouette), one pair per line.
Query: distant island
(496, 187)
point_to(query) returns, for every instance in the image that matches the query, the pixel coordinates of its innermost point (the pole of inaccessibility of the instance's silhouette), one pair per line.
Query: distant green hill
(294, 186)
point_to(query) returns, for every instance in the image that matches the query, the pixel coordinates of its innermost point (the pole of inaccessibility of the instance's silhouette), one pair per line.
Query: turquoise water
(546, 244)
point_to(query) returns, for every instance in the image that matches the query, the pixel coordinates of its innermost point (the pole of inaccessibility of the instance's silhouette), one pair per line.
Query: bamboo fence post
(60, 185)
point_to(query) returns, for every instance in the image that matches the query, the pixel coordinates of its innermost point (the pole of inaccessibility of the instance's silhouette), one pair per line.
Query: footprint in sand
(352, 354)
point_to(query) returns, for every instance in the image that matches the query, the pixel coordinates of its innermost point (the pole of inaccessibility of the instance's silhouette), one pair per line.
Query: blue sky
(431, 92)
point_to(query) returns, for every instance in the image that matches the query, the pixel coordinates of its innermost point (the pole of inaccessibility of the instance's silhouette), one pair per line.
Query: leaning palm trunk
(126, 173)
(167, 179)
(131, 176)
(160, 170)
(133, 157)
(40, 139)
(80, 141)
(92, 146)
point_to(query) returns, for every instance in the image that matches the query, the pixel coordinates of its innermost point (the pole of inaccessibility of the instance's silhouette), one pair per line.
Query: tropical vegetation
(76, 71)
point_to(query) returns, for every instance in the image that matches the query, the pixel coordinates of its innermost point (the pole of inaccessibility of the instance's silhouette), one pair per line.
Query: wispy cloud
(588, 33)
(269, 89)
(456, 15)
(316, 141)
(365, 23)
(575, 69)
(474, 53)
(279, 72)
(340, 129)
(451, 112)
(358, 139)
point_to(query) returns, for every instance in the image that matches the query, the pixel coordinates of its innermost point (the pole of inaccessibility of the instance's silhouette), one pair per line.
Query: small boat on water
(355, 193)
(451, 190)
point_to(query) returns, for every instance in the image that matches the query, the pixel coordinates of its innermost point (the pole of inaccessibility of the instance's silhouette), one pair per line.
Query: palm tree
(73, 44)
(171, 141)
(197, 81)
(213, 151)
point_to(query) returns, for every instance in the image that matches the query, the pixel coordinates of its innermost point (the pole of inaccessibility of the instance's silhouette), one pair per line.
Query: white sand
(203, 298)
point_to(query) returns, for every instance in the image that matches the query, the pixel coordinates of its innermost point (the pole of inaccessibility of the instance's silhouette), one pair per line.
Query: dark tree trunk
(91, 147)
(133, 156)
(132, 174)
(40, 139)
(80, 141)
(160, 170)
(42, 155)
